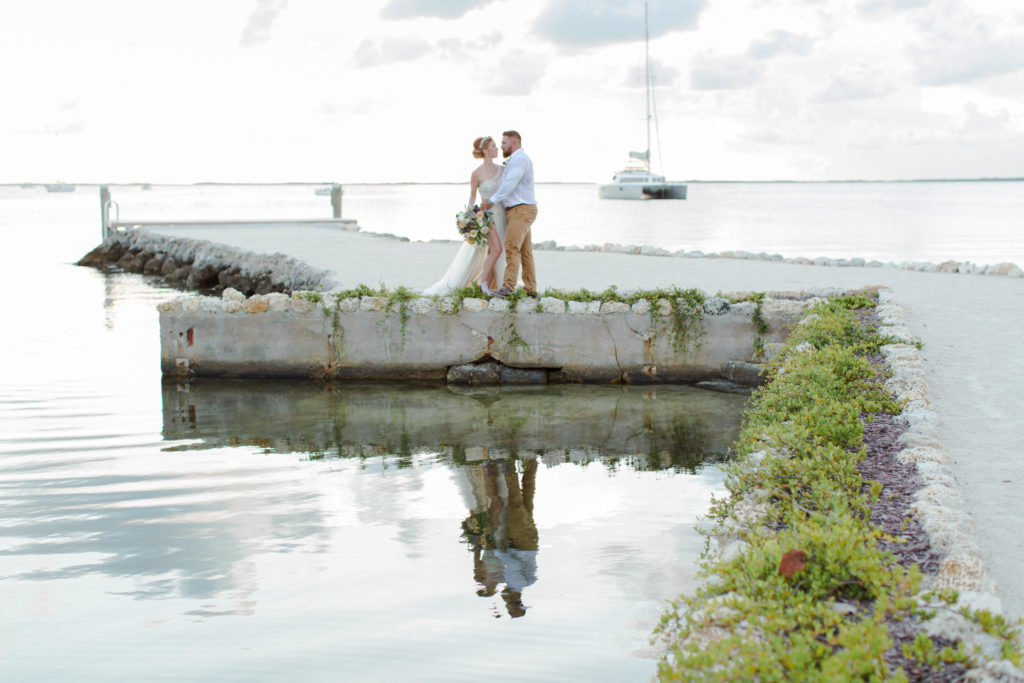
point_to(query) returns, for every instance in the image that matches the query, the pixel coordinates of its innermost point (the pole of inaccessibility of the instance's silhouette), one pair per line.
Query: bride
(472, 264)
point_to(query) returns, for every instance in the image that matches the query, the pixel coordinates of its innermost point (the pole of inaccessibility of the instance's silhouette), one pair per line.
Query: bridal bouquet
(474, 224)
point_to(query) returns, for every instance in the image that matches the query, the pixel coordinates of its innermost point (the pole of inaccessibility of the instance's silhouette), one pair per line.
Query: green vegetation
(795, 486)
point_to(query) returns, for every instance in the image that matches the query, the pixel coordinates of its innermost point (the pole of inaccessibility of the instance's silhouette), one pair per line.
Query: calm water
(295, 531)
(891, 222)
(253, 531)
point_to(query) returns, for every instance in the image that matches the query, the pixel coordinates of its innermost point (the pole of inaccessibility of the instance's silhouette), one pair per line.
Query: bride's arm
(474, 183)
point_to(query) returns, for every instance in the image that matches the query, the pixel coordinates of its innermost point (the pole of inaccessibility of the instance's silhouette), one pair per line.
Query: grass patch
(795, 486)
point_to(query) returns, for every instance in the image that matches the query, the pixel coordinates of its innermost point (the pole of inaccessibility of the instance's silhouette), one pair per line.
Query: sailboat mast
(647, 85)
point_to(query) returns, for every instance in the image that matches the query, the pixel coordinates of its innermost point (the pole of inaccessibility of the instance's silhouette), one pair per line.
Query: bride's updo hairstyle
(479, 144)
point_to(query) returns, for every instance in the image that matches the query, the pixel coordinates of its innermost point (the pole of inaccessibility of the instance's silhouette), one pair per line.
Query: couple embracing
(506, 192)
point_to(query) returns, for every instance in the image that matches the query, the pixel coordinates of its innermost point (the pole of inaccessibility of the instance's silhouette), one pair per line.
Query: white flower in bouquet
(474, 224)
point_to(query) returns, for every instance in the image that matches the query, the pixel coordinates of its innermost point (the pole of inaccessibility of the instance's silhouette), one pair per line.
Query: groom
(516, 193)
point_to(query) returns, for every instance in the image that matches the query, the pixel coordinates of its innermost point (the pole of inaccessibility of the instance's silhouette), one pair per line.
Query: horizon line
(539, 182)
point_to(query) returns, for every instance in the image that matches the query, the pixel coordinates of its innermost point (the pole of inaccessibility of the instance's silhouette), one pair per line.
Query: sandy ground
(971, 326)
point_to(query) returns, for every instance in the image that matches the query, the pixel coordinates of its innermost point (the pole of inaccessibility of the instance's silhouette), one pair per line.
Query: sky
(396, 90)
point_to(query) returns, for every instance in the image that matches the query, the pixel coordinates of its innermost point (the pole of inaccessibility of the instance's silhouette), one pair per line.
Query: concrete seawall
(470, 341)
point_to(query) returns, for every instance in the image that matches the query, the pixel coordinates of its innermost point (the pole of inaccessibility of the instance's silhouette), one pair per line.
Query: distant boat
(26, 186)
(147, 186)
(637, 181)
(322, 191)
(60, 187)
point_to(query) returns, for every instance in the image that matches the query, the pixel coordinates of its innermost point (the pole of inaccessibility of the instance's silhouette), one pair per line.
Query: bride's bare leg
(494, 246)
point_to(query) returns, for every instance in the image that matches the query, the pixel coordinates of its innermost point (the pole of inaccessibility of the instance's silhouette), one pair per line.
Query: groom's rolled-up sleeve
(514, 171)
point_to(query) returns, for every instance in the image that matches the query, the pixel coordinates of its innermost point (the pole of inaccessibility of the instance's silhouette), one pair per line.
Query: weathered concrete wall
(277, 335)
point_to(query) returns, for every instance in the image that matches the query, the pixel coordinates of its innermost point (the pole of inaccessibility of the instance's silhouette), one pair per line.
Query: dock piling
(336, 193)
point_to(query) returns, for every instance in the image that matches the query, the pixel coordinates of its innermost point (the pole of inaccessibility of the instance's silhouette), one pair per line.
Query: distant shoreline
(540, 182)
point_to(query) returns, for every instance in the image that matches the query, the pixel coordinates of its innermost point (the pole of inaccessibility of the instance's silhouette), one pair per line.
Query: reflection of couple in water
(500, 529)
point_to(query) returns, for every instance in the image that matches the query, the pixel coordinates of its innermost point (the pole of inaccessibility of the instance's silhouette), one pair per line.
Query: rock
(1003, 269)
(716, 305)
(664, 307)
(180, 274)
(232, 294)
(231, 305)
(202, 278)
(593, 307)
(302, 303)
(422, 305)
(745, 374)
(373, 304)
(348, 304)
(527, 305)
(509, 375)
(498, 305)
(169, 306)
(153, 265)
(550, 304)
(257, 303)
(642, 307)
(448, 304)
(613, 307)
(279, 303)
(474, 374)
(723, 386)
(473, 305)
(577, 307)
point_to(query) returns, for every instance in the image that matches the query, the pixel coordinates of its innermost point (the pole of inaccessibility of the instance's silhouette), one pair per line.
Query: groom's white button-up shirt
(516, 182)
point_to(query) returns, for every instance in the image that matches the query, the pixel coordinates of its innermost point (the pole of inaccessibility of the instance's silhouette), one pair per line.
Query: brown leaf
(792, 562)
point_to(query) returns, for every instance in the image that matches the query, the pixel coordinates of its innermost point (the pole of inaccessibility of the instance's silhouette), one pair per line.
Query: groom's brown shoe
(503, 292)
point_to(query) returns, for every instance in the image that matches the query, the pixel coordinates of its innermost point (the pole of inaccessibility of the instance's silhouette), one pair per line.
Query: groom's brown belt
(515, 205)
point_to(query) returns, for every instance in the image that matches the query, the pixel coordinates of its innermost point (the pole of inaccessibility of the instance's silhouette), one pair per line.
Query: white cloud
(589, 23)
(383, 51)
(951, 59)
(780, 43)
(710, 72)
(861, 86)
(441, 9)
(663, 75)
(257, 28)
(879, 7)
(517, 73)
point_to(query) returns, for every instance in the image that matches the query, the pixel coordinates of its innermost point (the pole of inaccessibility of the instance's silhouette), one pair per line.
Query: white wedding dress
(469, 260)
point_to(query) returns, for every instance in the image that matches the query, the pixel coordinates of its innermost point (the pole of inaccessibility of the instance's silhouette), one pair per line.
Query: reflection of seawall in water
(669, 426)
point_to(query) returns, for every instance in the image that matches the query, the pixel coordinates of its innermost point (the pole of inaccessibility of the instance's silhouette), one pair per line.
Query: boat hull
(643, 191)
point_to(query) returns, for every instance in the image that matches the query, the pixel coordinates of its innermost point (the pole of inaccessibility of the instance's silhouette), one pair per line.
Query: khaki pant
(518, 247)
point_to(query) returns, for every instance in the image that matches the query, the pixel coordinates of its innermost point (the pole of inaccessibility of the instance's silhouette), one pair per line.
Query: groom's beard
(506, 154)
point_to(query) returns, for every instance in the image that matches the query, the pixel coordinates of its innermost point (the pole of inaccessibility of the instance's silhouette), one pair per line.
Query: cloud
(442, 9)
(779, 43)
(845, 88)
(257, 29)
(518, 74)
(379, 51)
(961, 58)
(710, 72)
(456, 48)
(590, 23)
(876, 7)
(661, 73)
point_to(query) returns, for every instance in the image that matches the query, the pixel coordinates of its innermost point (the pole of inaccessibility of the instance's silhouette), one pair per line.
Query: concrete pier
(435, 339)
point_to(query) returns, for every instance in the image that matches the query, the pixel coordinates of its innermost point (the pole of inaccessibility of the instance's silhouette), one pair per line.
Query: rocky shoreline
(210, 268)
(202, 266)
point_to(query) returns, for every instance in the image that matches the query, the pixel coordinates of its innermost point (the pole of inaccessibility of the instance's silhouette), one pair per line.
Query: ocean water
(977, 222)
(268, 531)
(265, 531)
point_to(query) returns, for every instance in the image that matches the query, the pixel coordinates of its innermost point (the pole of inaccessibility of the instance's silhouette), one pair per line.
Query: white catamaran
(637, 181)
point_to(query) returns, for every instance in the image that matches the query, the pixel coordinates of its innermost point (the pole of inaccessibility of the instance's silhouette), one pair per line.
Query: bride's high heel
(487, 290)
